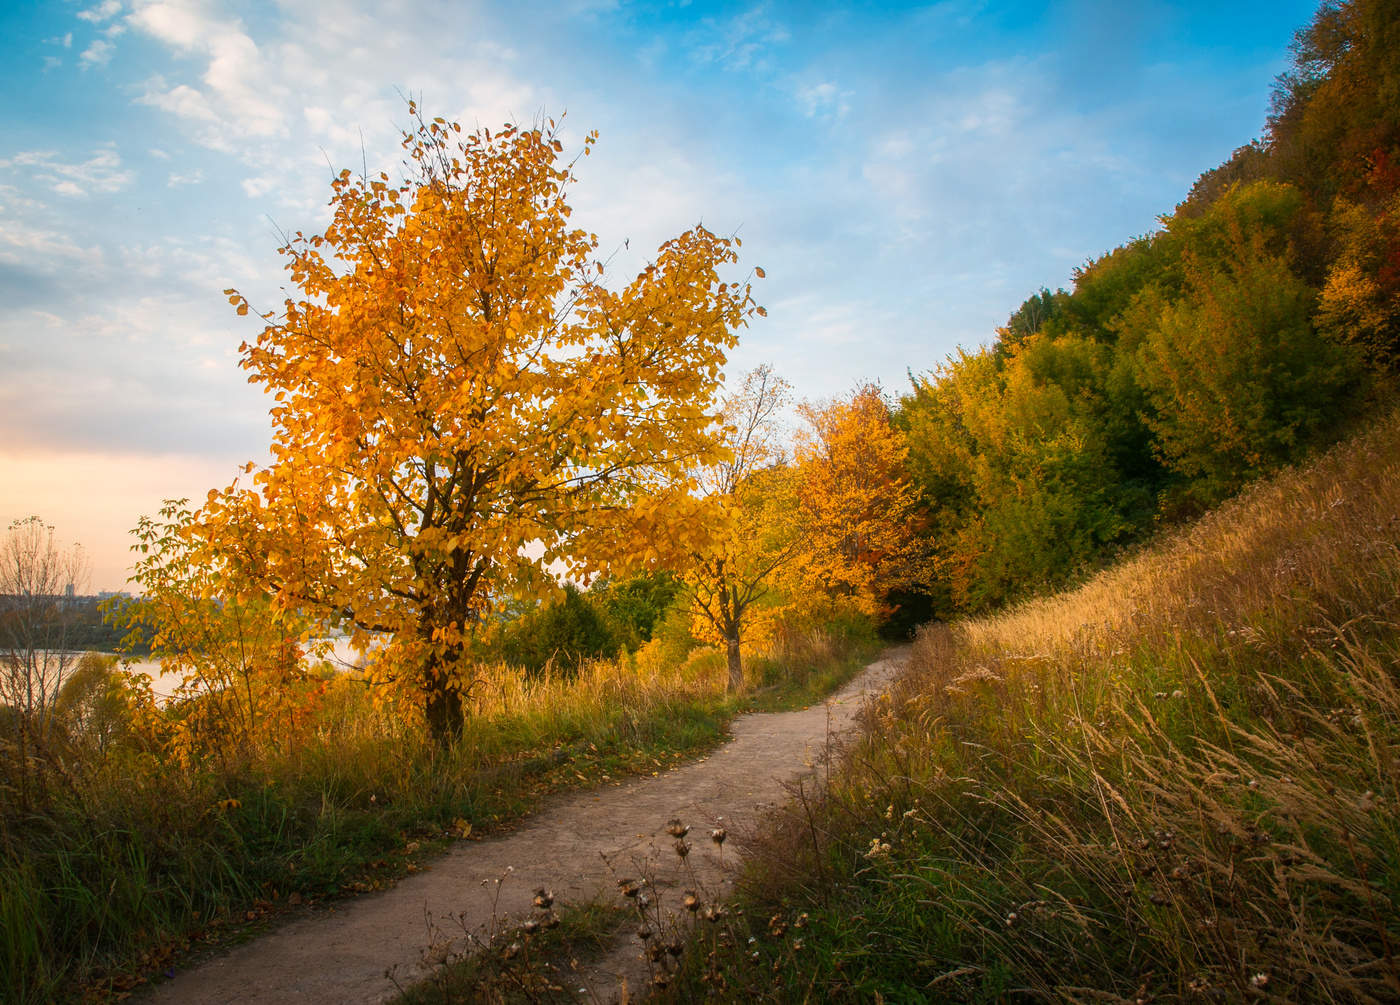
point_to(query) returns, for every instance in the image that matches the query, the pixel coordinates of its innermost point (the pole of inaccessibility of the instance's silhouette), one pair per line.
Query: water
(343, 656)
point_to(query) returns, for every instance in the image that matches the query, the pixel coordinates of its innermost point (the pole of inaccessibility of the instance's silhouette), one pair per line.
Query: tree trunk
(442, 705)
(736, 665)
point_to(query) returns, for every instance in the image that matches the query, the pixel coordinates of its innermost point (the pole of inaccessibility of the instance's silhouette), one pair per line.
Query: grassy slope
(1176, 783)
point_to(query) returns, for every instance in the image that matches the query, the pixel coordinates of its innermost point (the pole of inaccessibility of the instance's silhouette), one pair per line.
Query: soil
(577, 845)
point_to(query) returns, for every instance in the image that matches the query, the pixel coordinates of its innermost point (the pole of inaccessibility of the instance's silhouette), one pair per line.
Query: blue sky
(906, 174)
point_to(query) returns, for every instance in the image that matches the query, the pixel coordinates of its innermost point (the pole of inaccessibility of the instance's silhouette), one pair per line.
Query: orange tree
(861, 514)
(463, 409)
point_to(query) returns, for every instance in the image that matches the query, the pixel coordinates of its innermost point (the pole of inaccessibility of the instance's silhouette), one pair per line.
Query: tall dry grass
(1176, 783)
(172, 831)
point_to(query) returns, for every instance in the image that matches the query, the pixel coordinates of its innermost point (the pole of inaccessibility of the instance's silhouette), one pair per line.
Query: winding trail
(341, 954)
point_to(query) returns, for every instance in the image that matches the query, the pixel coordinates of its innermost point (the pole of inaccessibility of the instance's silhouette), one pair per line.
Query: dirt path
(341, 955)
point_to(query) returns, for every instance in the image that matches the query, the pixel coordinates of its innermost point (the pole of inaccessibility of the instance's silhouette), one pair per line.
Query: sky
(906, 175)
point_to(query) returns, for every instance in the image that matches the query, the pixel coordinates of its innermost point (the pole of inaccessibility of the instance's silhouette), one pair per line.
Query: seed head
(691, 901)
(543, 899)
(676, 829)
(682, 849)
(718, 835)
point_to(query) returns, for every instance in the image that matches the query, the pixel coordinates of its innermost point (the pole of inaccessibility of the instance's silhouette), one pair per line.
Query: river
(343, 656)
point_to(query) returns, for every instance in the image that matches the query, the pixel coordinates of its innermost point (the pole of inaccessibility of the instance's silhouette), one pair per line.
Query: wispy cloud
(743, 41)
(102, 172)
(823, 99)
(23, 244)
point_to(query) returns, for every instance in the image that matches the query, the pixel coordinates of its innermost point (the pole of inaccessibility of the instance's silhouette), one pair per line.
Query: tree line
(1189, 361)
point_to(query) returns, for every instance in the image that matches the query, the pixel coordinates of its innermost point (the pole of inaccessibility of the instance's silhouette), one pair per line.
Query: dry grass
(1178, 782)
(178, 832)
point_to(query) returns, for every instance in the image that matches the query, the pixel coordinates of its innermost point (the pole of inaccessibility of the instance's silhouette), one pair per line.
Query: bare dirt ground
(342, 954)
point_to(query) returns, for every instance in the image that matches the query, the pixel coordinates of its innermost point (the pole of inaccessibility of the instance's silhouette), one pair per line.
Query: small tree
(38, 579)
(750, 510)
(236, 653)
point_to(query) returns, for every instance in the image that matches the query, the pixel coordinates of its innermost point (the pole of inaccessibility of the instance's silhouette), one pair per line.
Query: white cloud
(824, 99)
(99, 53)
(256, 188)
(182, 101)
(104, 11)
(240, 94)
(186, 26)
(25, 245)
(189, 178)
(102, 172)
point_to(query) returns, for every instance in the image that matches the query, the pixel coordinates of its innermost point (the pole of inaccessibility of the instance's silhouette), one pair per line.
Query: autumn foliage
(747, 506)
(863, 525)
(463, 407)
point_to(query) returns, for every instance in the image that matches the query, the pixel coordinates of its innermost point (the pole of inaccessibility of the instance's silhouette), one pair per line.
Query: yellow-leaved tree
(238, 656)
(464, 408)
(748, 508)
(863, 537)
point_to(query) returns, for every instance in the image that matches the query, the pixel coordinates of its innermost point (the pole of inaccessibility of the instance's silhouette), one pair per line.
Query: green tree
(1237, 377)
(561, 633)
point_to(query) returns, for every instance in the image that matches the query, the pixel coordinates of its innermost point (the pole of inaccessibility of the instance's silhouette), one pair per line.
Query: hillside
(1176, 782)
